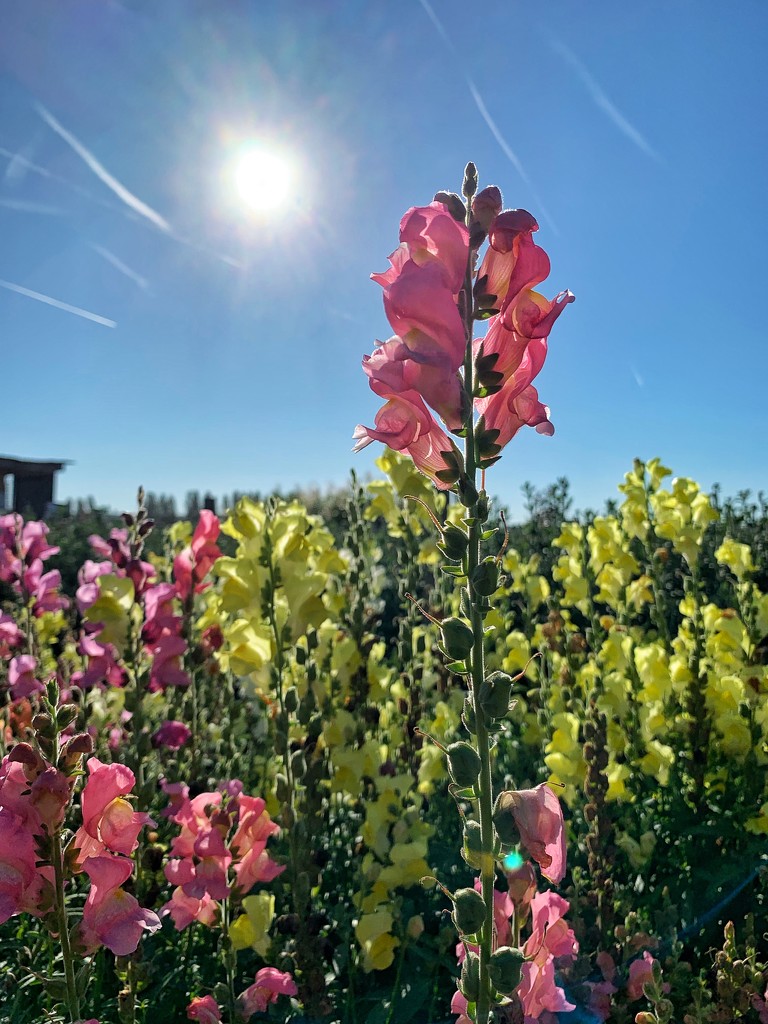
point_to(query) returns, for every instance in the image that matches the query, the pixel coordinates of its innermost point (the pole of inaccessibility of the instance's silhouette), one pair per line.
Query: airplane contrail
(119, 265)
(48, 300)
(603, 102)
(505, 147)
(103, 174)
(29, 206)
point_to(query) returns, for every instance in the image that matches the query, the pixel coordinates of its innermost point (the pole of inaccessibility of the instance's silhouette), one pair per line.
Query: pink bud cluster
(419, 367)
(219, 832)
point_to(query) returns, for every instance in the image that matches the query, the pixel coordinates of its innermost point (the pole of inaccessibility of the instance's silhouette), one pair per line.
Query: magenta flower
(20, 881)
(172, 735)
(109, 821)
(270, 983)
(183, 909)
(10, 634)
(508, 410)
(459, 1005)
(111, 916)
(432, 234)
(194, 563)
(392, 371)
(205, 1009)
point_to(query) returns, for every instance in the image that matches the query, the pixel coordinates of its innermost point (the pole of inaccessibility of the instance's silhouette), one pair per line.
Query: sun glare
(265, 177)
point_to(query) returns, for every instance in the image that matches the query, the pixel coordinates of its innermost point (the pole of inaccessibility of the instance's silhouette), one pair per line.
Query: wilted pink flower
(21, 677)
(640, 973)
(193, 564)
(270, 983)
(205, 1009)
(49, 794)
(522, 883)
(539, 820)
(109, 821)
(111, 916)
(172, 734)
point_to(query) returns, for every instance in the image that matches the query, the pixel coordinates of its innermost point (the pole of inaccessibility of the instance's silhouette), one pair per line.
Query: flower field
(406, 764)
(225, 771)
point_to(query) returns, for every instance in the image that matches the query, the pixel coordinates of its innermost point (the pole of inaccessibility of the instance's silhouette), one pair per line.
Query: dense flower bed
(224, 780)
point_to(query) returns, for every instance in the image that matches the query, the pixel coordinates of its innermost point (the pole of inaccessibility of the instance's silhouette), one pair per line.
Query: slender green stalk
(73, 1001)
(485, 785)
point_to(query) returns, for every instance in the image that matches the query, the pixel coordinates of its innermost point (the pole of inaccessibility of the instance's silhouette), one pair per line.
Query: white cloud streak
(28, 206)
(120, 190)
(603, 102)
(638, 379)
(57, 303)
(119, 265)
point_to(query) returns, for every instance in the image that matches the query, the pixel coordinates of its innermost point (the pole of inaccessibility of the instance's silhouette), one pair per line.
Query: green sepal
(459, 667)
(453, 570)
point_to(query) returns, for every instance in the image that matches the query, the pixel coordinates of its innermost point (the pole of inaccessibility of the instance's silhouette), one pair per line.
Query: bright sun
(265, 177)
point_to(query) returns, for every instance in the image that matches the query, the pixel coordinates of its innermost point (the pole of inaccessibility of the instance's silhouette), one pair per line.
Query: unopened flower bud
(454, 203)
(486, 206)
(66, 714)
(454, 542)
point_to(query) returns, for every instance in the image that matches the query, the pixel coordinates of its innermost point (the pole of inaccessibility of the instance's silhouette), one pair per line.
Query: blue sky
(636, 133)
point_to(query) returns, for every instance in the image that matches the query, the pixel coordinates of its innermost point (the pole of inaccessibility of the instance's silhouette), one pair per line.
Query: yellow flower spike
(378, 946)
(657, 472)
(250, 930)
(112, 608)
(617, 775)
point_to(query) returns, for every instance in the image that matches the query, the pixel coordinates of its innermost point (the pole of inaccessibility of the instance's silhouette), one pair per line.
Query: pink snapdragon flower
(10, 634)
(109, 820)
(539, 820)
(204, 1009)
(550, 935)
(538, 992)
(459, 1005)
(249, 844)
(509, 410)
(20, 881)
(111, 916)
(406, 425)
(392, 371)
(102, 665)
(21, 677)
(193, 564)
(269, 984)
(183, 909)
(640, 973)
(430, 234)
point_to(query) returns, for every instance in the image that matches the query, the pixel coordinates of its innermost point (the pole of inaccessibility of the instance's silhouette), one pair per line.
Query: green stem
(485, 786)
(73, 1001)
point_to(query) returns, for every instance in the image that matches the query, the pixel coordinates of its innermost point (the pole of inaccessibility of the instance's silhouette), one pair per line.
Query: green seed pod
(467, 492)
(298, 765)
(505, 969)
(470, 977)
(468, 716)
(457, 637)
(485, 578)
(454, 542)
(482, 507)
(463, 764)
(473, 843)
(468, 911)
(282, 790)
(291, 699)
(494, 695)
(504, 820)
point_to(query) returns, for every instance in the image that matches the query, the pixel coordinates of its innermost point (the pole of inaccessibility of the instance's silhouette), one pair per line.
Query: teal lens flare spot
(512, 861)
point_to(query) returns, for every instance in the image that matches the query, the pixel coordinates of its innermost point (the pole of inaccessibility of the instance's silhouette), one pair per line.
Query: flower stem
(73, 1001)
